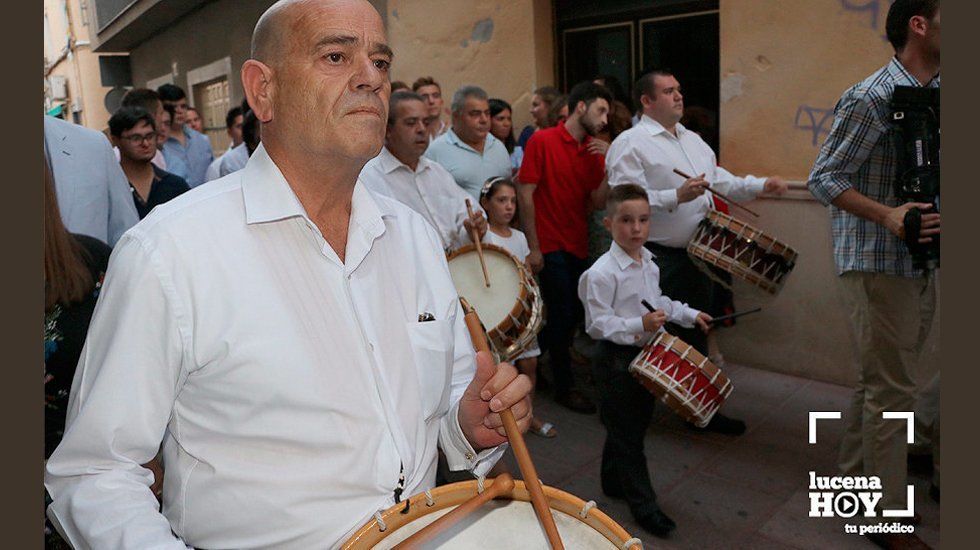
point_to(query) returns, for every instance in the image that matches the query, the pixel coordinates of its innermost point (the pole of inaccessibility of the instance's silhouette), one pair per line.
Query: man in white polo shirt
(469, 151)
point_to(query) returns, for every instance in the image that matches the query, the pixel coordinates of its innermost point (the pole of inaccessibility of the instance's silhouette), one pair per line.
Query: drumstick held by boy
(612, 291)
(499, 199)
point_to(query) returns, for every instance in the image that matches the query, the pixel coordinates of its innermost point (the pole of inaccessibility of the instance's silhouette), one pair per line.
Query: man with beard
(293, 340)
(647, 155)
(402, 173)
(562, 181)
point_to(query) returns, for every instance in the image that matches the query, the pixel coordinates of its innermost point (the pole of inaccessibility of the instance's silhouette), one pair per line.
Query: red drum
(742, 250)
(682, 378)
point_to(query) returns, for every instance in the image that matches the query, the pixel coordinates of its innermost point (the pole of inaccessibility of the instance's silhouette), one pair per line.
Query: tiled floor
(724, 492)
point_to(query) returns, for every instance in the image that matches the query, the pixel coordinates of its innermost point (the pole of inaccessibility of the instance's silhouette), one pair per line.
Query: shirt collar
(623, 260)
(455, 139)
(268, 196)
(389, 162)
(655, 127)
(902, 76)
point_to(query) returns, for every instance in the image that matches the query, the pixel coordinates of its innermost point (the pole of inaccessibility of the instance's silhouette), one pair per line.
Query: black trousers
(559, 289)
(681, 280)
(625, 409)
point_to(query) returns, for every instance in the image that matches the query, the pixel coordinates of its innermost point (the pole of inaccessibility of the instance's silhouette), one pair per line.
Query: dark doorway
(625, 37)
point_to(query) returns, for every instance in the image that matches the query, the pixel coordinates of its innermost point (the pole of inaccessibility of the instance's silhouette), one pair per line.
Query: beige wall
(773, 61)
(81, 68)
(451, 42)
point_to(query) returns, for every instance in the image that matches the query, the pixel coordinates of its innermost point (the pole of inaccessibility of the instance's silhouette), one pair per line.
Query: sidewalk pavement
(748, 491)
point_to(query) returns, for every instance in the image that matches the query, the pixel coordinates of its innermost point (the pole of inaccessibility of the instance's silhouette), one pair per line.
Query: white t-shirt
(516, 244)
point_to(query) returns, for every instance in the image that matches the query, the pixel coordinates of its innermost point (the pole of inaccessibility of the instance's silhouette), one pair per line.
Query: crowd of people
(265, 288)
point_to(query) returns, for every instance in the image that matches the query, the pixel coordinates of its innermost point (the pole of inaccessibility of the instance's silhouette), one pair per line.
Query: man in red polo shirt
(562, 179)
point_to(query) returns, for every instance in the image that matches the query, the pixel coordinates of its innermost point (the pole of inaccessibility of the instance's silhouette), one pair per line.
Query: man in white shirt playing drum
(647, 155)
(297, 344)
(402, 173)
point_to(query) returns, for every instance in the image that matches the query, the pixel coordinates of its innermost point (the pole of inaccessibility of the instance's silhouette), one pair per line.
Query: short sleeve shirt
(565, 173)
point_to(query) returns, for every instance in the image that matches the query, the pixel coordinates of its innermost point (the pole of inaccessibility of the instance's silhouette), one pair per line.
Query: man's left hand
(598, 147)
(478, 221)
(493, 389)
(775, 185)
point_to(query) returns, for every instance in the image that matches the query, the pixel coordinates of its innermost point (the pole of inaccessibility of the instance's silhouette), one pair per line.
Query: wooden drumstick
(501, 485)
(531, 481)
(720, 196)
(475, 235)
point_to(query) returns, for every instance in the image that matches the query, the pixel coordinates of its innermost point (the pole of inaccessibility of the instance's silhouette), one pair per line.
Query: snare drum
(742, 250)
(511, 308)
(503, 523)
(682, 378)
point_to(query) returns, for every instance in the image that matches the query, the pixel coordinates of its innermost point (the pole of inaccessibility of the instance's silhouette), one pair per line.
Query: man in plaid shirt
(892, 304)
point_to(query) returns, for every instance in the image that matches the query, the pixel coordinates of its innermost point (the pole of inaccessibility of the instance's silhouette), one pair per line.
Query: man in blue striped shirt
(891, 303)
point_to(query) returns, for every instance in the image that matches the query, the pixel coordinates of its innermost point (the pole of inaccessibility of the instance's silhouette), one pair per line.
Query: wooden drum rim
(445, 496)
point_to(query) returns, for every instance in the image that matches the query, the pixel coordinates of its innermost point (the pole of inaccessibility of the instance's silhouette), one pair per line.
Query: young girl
(499, 199)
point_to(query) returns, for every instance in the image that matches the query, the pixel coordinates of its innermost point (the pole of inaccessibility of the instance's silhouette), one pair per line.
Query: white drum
(511, 308)
(504, 523)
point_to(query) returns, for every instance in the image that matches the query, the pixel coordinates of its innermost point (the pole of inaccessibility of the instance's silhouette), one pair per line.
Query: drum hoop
(674, 391)
(528, 293)
(367, 535)
(765, 240)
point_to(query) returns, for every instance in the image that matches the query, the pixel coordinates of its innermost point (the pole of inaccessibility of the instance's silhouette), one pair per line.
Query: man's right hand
(536, 260)
(654, 320)
(691, 189)
(895, 221)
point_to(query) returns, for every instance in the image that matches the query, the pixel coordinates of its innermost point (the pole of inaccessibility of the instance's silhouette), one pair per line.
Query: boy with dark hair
(561, 180)
(187, 151)
(134, 132)
(611, 291)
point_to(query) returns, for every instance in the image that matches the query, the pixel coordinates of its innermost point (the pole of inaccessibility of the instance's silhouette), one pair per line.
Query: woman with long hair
(502, 128)
(541, 103)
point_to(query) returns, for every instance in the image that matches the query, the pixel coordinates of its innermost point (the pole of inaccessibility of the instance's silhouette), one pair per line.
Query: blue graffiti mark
(871, 6)
(818, 121)
(876, 10)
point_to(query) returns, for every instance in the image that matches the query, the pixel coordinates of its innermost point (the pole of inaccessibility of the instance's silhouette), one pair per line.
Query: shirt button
(469, 456)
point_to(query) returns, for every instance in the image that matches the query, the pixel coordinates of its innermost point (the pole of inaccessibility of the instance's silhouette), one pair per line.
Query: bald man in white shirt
(297, 344)
(647, 155)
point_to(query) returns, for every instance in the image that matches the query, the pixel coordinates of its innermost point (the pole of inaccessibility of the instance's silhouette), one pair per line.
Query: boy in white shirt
(611, 291)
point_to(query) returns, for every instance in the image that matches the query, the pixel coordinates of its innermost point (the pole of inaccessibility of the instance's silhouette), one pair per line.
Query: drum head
(501, 524)
(493, 304)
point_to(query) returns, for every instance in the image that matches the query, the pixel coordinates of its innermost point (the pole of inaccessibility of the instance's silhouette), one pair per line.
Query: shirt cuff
(459, 453)
(826, 192)
(666, 199)
(687, 317)
(634, 326)
(754, 184)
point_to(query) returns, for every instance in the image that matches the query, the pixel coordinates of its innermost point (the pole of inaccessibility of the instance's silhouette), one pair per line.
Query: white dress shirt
(214, 169)
(611, 291)
(288, 387)
(647, 154)
(233, 160)
(429, 190)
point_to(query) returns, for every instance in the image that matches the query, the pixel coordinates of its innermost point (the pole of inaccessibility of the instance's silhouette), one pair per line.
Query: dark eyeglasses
(136, 139)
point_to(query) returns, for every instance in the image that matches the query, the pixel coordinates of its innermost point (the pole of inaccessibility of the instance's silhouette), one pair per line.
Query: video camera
(915, 113)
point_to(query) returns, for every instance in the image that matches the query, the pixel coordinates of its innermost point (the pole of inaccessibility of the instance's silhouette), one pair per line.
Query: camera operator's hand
(895, 221)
